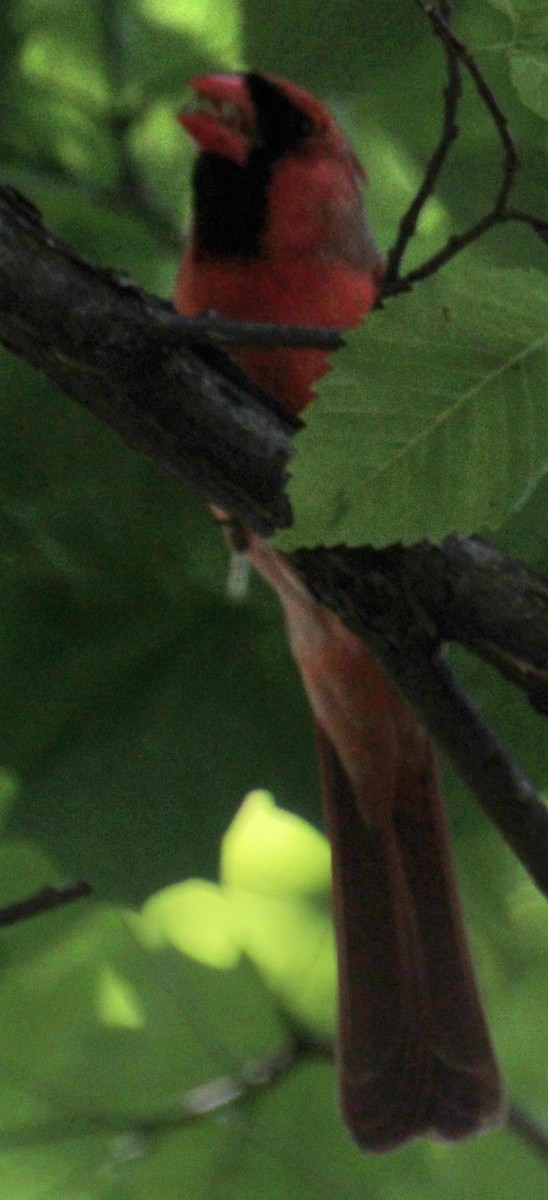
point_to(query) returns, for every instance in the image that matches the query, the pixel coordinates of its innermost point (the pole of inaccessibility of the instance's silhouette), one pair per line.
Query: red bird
(279, 234)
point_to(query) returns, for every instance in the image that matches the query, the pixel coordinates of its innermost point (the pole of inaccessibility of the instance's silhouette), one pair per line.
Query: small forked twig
(449, 133)
(458, 56)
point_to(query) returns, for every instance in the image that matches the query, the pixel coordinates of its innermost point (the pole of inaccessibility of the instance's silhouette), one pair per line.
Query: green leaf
(528, 51)
(276, 880)
(505, 6)
(273, 851)
(112, 1053)
(529, 73)
(435, 418)
(530, 17)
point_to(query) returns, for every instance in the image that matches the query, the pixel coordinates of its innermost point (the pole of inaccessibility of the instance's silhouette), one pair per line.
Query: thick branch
(109, 346)
(123, 355)
(375, 594)
(116, 351)
(464, 591)
(491, 604)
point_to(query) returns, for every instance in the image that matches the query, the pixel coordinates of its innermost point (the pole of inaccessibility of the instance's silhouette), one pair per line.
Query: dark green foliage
(138, 705)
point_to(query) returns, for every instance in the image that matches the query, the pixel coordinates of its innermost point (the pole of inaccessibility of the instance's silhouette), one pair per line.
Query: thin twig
(511, 161)
(268, 335)
(44, 901)
(532, 1132)
(191, 1106)
(131, 190)
(483, 762)
(457, 54)
(485, 765)
(449, 133)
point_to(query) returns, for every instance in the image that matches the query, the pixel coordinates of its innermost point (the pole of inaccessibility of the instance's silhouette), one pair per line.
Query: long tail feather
(414, 1050)
(415, 1055)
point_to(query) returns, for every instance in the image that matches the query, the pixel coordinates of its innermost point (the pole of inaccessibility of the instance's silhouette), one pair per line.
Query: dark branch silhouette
(392, 282)
(47, 899)
(224, 332)
(107, 344)
(463, 590)
(532, 1132)
(457, 55)
(391, 598)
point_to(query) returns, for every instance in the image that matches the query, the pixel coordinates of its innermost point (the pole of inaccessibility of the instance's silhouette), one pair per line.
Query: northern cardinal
(279, 234)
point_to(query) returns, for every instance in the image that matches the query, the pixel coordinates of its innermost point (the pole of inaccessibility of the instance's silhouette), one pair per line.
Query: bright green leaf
(216, 23)
(291, 943)
(194, 918)
(118, 1003)
(273, 852)
(275, 871)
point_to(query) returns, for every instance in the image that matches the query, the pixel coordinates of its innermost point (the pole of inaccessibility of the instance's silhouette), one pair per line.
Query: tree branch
(493, 605)
(216, 330)
(384, 596)
(464, 591)
(393, 280)
(115, 350)
(531, 1131)
(47, 899)
(457, 56)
